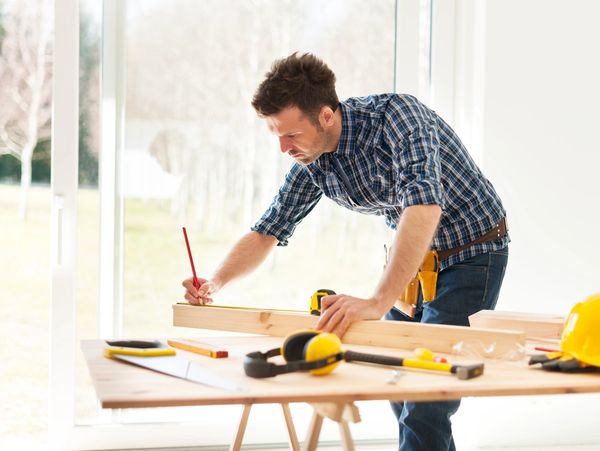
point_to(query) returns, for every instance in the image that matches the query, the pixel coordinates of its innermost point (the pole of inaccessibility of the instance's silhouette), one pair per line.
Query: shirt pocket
(384, 179)
(334, 190)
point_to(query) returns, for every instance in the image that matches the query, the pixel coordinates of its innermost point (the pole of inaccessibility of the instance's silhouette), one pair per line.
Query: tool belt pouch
(407, 302)
(428, 274)
(426, 279)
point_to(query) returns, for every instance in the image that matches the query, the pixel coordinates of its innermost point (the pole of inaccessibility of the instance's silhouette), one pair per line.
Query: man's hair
(302, 81)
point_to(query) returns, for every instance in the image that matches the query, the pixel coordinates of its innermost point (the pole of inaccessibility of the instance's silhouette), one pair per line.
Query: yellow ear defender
(323, 346)
(304, 350)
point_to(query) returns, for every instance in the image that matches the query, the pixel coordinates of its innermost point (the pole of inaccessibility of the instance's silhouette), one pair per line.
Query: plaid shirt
(393, 152)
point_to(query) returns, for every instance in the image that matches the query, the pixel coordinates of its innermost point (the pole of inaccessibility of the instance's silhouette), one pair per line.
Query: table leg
(314, 430)
(237, 443)
(347, 443)
(290, 427)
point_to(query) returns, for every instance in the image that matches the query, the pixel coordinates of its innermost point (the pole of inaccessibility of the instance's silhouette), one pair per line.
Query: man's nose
(284, 144)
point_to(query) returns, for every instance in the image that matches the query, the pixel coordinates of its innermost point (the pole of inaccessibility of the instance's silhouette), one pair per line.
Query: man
(387, 155)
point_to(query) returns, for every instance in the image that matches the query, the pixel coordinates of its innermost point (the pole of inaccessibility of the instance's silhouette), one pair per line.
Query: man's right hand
(201, 295)
(244, 257)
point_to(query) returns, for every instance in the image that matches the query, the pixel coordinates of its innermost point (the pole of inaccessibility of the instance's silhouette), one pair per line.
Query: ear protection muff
(305, 350)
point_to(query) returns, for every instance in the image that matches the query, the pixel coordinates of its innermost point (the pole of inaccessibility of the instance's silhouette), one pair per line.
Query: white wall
(539, 144)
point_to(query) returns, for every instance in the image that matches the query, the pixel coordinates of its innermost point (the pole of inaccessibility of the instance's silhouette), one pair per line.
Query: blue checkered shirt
(393, 152)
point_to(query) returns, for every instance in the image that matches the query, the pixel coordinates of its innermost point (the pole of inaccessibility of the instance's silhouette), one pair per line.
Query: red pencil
(187, 243)
(541, 348)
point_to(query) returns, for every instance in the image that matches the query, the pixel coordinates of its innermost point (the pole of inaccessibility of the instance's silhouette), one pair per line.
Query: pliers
(561, 361)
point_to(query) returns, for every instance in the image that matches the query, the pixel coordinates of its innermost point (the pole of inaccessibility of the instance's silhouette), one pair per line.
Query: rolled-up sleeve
(413, 136)
(420, 175)
(296, 198)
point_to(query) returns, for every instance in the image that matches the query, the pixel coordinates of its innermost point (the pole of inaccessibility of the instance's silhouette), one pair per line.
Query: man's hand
(202, 295)
(416, 228)
(244, 257)
(339, 311)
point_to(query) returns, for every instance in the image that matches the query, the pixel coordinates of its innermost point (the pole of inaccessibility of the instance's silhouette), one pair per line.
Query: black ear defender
(305, 350)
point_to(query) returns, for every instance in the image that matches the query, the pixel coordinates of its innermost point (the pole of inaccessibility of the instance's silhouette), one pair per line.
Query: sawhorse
(341, 413)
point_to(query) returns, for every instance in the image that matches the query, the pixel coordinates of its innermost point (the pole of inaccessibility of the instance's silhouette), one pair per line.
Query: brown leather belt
(407, 301)
(498, 231)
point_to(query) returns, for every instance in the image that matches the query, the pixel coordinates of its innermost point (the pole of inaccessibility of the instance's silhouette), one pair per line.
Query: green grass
(25, 295)
(327, 251)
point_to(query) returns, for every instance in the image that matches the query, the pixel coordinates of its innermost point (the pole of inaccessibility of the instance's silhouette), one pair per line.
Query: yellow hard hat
(581, 334)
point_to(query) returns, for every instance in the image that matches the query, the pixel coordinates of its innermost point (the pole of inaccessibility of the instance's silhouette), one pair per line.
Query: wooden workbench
(120, 385)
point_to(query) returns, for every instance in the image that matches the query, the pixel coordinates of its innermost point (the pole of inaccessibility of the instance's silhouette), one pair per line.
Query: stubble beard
(323, 142)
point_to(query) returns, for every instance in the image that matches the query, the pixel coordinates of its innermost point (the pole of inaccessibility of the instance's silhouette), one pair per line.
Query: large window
(166, 138)
(190, 151)
(195, 153)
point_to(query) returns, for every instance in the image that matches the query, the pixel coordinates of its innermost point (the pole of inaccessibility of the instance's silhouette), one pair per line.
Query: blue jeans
(462, 290)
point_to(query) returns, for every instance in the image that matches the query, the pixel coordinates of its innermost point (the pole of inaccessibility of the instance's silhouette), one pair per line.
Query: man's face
(300, 138)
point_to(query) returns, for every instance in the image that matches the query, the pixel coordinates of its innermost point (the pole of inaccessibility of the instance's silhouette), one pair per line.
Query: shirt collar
(347, 139)
(346, 142)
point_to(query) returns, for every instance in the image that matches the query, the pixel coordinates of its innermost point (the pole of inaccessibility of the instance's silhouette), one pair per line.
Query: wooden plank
(393, 334)
(535, 325)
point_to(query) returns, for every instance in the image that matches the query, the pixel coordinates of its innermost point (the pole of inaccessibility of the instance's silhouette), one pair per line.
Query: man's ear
(326, 116)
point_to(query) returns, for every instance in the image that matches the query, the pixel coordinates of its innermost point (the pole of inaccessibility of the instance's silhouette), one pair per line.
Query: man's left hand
(339, 311)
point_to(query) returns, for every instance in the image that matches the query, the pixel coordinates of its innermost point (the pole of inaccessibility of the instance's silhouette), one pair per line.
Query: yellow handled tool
(461, 371)
(137, 348)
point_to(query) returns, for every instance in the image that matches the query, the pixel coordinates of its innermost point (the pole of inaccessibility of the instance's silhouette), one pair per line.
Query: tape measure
(315, 300)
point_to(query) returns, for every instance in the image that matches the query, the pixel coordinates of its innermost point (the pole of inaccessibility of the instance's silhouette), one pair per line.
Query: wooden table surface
(121, 385)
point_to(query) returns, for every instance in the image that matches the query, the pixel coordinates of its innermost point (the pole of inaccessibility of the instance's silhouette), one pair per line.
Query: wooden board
(394, 334)
(535, 325)
(120, 385)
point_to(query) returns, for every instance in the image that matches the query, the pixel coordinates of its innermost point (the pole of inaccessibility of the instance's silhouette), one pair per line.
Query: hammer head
(469, 371)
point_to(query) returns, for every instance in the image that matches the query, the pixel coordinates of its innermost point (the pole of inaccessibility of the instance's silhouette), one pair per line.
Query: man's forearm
(244, 257)
(416, 229)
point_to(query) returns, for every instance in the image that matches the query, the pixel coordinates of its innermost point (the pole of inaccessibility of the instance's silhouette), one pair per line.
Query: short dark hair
(303, 81)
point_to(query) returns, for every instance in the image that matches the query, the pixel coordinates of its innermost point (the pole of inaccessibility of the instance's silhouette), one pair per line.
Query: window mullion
(110, 303)
(64, 176)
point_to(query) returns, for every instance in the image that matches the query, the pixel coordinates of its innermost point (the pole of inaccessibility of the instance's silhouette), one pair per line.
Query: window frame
(64, 177)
